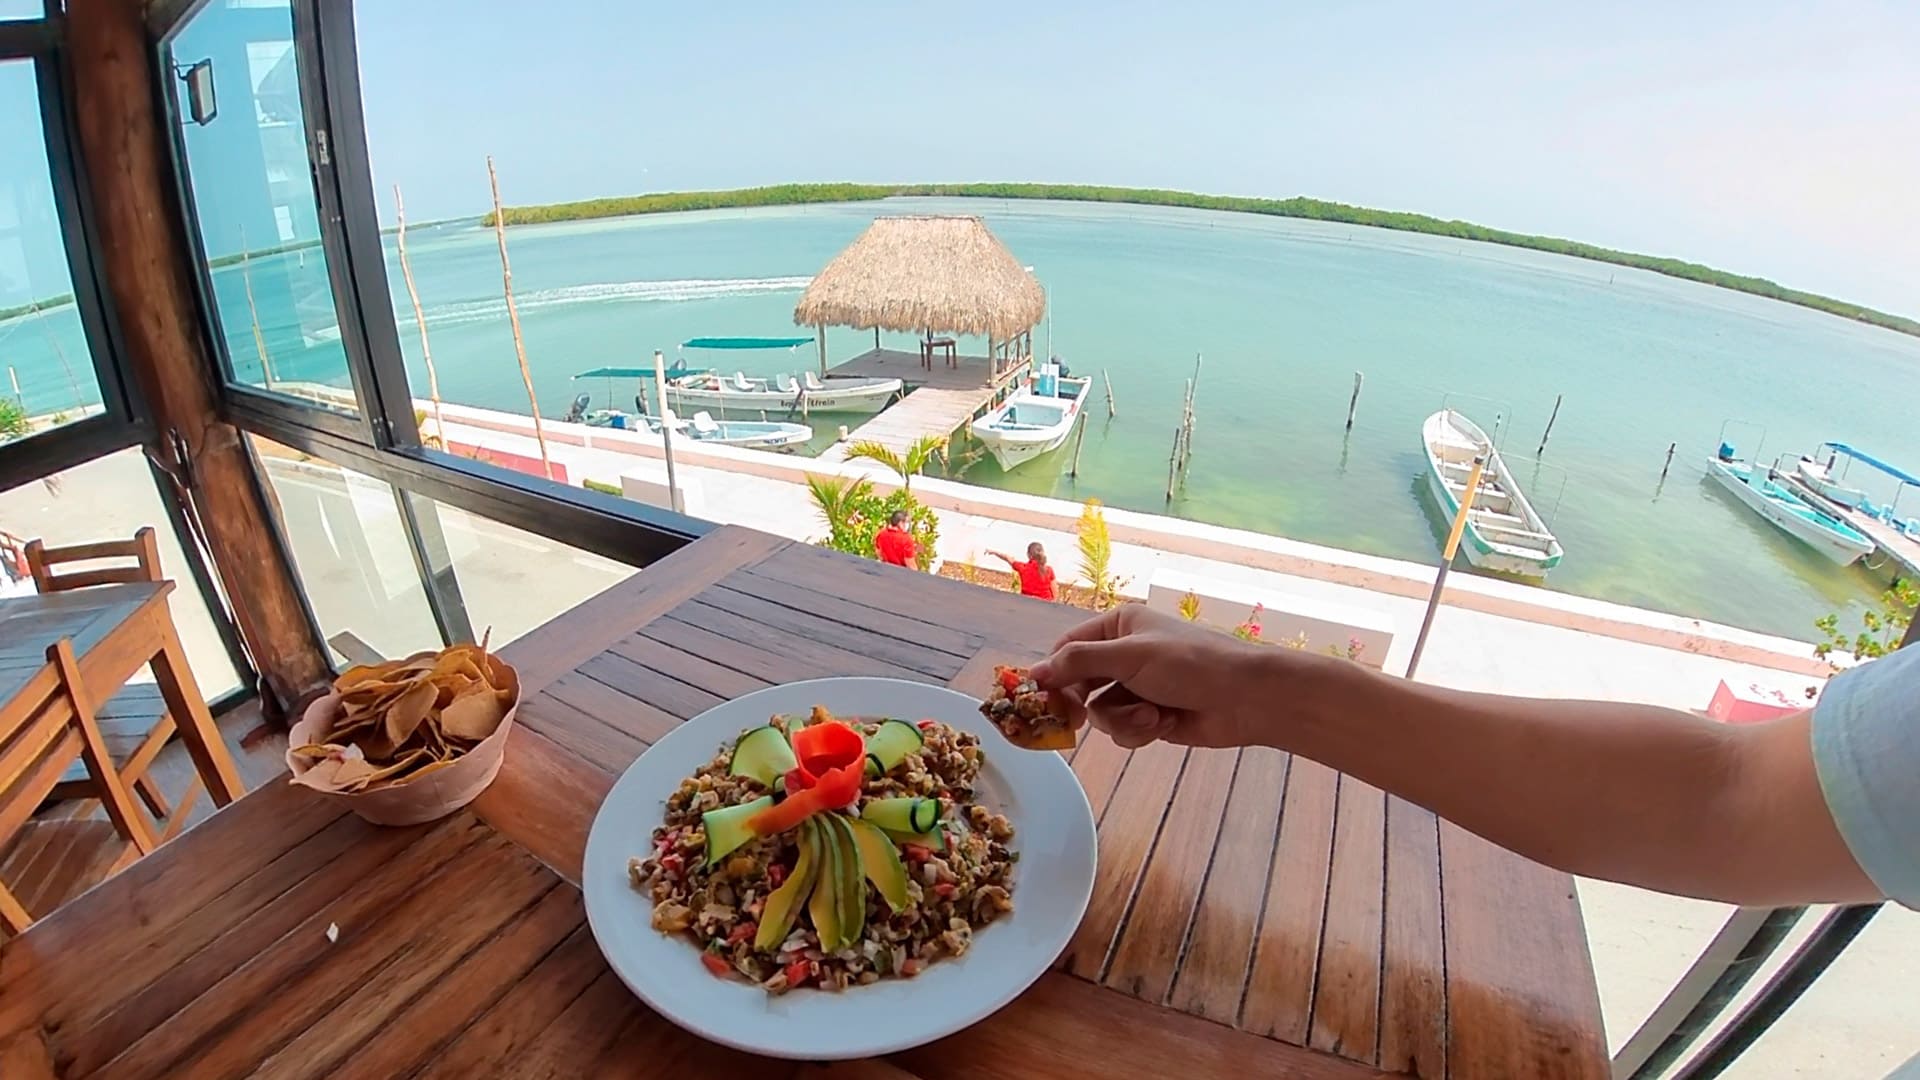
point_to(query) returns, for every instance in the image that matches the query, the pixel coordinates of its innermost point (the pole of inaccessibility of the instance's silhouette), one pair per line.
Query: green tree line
(1297, 207)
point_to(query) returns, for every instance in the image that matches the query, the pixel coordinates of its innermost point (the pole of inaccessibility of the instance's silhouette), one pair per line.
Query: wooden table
(116, 630)
(1254, 914)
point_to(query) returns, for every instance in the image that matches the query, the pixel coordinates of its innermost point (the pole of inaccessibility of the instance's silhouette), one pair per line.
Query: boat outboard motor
(1062, 366)
(578, 411)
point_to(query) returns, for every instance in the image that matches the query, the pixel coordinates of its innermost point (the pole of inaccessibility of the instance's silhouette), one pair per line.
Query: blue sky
(1767, 138)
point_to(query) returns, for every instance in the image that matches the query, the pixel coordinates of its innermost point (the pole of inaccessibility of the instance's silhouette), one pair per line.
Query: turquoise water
(1284, 313)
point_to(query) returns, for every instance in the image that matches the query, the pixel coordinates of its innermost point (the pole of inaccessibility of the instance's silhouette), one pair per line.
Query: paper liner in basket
(429, 795)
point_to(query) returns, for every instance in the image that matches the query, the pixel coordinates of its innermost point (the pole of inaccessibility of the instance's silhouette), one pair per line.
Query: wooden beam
(147, 267)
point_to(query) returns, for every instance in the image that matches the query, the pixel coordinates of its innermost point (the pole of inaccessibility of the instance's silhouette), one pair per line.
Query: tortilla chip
(408, 710)
(474, 716)
(1051, 738)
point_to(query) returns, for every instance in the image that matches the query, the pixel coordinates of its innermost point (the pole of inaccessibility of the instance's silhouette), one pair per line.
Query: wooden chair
(45, 729)
(134, 722)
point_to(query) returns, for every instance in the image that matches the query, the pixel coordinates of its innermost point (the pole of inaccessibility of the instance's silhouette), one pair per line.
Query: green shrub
(13, 419)
(854, 513)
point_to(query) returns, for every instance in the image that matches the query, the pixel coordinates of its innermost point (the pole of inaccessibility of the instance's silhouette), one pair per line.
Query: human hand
(1141, 675)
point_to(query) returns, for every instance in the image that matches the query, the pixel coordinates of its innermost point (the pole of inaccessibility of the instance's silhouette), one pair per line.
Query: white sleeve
(1866, 749)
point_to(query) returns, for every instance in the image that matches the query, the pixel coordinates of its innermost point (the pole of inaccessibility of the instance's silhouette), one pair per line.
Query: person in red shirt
(1036, 577)
(894, 544)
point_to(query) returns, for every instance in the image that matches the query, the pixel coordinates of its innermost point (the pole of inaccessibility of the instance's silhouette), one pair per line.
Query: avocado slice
(935, 840)
(783, 904)
(763, 754)
(880, 861)
(850, 891)
(727, 826)
(824, 905)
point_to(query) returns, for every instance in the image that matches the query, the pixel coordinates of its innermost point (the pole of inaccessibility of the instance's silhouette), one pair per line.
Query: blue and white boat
(1787, 511)
(1034, 419)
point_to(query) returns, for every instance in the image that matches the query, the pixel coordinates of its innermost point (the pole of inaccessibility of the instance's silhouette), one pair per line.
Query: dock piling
(1669, 462)
(1109, 381)
(1079, 439)
(1353, 403)
(1551, 417)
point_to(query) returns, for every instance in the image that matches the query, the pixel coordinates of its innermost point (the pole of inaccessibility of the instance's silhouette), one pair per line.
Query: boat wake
(467, 311)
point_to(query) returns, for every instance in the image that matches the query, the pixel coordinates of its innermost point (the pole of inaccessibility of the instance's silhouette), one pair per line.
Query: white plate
(1053, 832)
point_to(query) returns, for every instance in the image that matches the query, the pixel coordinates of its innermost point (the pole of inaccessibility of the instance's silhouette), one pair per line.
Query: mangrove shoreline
(1298, 207)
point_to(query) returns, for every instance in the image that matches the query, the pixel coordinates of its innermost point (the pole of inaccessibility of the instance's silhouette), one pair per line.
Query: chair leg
(149, 793)
(13, 917)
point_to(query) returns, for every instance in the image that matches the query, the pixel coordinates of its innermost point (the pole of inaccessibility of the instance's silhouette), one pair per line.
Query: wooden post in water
(876, 339)
(419, 317)
(1446, 560)
(1173, 462)
(1669, 463)
(1079, 438)
(1551, 417)
(1353, 403)
(1104, 377)
(513, 317)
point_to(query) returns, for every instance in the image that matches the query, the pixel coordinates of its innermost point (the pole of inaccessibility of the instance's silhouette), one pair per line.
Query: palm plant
(906, 466)
(13, 419)
(1096, 557)
(842, 504)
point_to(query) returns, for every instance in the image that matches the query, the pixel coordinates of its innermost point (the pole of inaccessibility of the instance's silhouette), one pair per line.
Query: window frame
(122, 422)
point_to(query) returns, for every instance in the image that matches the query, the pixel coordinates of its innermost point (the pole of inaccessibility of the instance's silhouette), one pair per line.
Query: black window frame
(123, 421)
(383, 441)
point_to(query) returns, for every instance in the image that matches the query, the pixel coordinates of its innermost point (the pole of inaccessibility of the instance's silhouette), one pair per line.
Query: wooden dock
(939, 401)
(1893, 544)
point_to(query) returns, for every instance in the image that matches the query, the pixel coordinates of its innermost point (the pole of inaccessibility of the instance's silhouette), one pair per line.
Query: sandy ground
(1861, 1020)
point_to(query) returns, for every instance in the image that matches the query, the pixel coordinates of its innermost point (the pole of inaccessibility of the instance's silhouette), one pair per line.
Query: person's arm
(1819, 806)
(1632, 793)
(1005, 558)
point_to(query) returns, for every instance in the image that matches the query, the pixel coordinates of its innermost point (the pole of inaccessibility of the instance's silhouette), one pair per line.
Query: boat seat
(787, 385)
(1482, 511)
(703, 423)
(812, 381)
(740, 382)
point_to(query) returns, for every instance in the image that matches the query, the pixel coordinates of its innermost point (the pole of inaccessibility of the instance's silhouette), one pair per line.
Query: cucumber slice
(891, 744)
(935, 840)
(907, 814)
(727, 827)
(763, 754)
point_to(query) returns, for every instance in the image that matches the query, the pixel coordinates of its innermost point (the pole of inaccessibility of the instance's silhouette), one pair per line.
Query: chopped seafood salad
(830, 852)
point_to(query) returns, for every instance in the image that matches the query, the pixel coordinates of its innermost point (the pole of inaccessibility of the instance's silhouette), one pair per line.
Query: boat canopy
(1889, 468)
(745, 342)
(616, 373)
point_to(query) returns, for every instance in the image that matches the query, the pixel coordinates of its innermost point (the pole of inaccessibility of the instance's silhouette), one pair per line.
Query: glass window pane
(350, 550)
(49, 377)
(22, 9)
(251, 186)
(512, 581)
(111, 498)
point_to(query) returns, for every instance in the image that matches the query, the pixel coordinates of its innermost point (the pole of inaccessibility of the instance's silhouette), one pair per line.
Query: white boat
(752, 434)
(781, 394)
(1788, 512)
(1504, 533)
(1036, 418)
(1815, 475)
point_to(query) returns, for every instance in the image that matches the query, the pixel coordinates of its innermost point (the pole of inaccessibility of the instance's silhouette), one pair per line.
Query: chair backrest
(703, 423)
(740, 381)
(44, 728)
(43, 562)
(787, 385)
(813, 381)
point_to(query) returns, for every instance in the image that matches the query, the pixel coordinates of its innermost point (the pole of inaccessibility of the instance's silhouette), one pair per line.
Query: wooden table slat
(1513, 932)
(1280, 989)
(909, 625)
(1213, 978)
(1413, 999)
(1149, 951)
(694, 670)
(1346, 991)
(673, 699)
(502, 1032)
(869, 640)
(1127, 832)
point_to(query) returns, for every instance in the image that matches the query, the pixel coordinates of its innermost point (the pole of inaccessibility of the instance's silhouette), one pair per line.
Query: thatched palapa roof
(910, 274)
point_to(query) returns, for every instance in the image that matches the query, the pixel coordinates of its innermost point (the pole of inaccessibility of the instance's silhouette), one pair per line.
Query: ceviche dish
(830, 852)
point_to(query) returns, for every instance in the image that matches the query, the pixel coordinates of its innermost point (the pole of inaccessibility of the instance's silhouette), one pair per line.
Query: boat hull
(1815, 476)
(1504, 535)
(1013, 445)
(858, 399)
(1790, 514)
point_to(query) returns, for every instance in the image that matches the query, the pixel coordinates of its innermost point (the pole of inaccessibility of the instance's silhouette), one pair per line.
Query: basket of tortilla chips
(410, 740)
